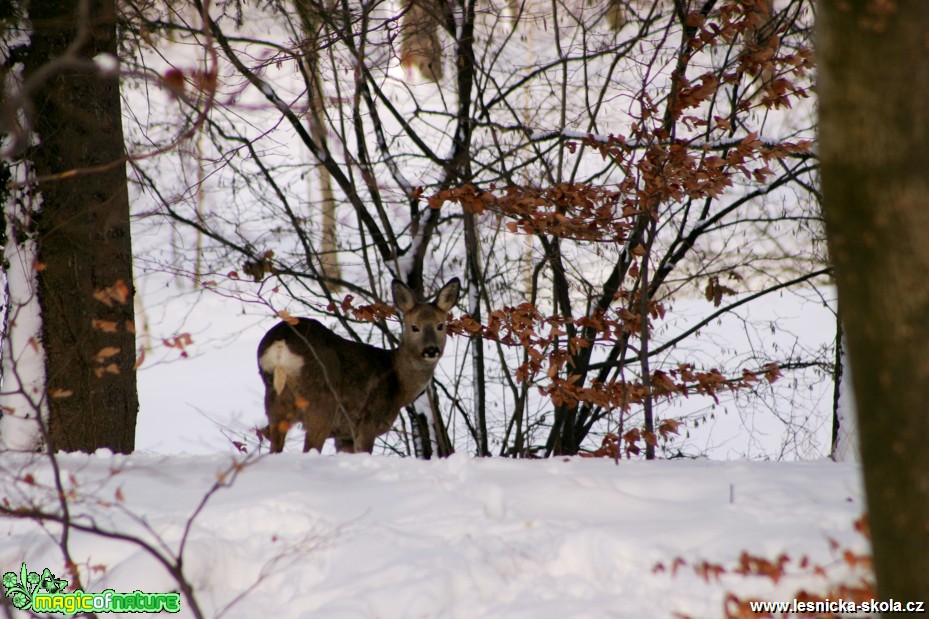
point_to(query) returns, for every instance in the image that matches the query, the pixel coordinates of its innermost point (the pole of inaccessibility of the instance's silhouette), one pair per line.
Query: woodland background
(610, 180)
(585, 168)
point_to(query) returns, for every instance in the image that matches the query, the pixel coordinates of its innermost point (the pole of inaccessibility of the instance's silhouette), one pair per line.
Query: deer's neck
(413, 374)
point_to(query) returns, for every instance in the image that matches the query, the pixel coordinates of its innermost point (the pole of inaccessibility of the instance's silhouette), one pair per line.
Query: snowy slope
(363, 536)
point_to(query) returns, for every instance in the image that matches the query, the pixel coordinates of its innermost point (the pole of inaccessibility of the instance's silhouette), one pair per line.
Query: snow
(846, 444)
(107, 64)
(23, 356)
(538, 136)
(360, 536)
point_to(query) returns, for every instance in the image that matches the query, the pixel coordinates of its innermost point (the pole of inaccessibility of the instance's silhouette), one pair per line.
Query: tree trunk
(874, 90)
(311, 45)
(475, 281)
(844, 424)
(85, 278)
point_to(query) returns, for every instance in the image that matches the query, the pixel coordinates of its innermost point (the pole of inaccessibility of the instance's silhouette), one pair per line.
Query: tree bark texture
(873, 63)
(85, 254)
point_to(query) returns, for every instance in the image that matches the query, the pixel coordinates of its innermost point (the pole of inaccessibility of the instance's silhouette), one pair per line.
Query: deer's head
(424, 322)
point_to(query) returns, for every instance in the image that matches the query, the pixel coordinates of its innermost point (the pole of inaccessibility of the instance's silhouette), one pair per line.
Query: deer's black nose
(431, 352)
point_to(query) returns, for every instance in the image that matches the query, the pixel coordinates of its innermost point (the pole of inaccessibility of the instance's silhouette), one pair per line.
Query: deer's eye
(414, 328)
(440, 326)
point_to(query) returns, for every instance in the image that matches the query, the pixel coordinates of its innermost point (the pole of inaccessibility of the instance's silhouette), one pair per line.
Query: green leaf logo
(21, 588)
(17, 588)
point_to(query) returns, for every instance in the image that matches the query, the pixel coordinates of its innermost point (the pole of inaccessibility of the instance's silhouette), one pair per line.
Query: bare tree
(582, 172)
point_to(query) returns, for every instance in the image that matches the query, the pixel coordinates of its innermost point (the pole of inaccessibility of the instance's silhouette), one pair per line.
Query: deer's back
(327, 370)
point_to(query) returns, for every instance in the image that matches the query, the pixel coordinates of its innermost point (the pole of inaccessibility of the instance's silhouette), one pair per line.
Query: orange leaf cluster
(670, 170)
(673, 172)
(286, 317)
(567, 210)
(692, 95)
(749, 565)
(104, 364)
(175, 81)
(609, 448)
(468, 196)
(762, 55)
(632, 438)
(545, 337)
(107, 326)
(367, 313)
(181, 342)
(621, 395)
(550, 350)
(104, 353)
(715, 291)
(259, 267)
(118, 292)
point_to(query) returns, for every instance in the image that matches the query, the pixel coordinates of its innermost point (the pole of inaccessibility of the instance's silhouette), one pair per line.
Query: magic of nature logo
(45, 593)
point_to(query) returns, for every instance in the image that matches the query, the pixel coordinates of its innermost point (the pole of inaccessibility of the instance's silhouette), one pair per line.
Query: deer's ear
(403, 296)
(448, 295)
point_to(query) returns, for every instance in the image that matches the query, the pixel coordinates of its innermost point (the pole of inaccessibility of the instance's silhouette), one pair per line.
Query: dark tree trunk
(85, 282)
(874, 89)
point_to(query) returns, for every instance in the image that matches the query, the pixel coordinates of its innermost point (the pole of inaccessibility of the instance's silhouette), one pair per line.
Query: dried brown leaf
(107, 326)
(105, 353)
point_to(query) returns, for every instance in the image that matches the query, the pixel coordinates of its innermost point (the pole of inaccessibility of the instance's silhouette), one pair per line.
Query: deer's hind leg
(318, 422)
(280, 412)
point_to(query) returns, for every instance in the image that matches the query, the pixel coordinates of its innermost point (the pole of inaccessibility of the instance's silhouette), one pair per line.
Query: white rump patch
(281, 362)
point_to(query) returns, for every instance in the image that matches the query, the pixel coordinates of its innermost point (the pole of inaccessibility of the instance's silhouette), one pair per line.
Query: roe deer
(350, 391)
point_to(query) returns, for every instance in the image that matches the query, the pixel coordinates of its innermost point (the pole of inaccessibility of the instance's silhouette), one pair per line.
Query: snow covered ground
(359, 536)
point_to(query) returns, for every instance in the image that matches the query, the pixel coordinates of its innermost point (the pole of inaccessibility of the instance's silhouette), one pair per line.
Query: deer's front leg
(364, 439)
(361, 441)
